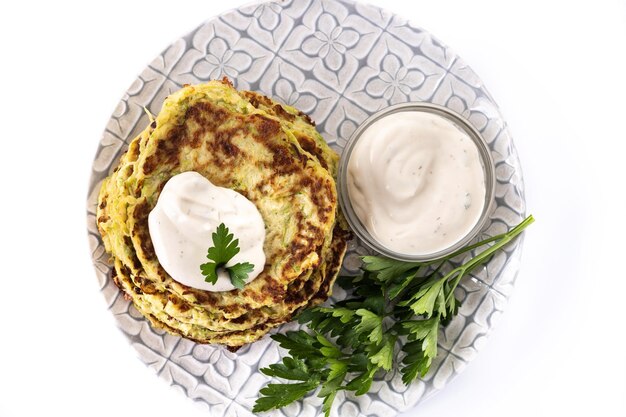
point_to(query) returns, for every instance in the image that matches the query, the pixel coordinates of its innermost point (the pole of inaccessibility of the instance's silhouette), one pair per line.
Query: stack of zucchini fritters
(270, 153)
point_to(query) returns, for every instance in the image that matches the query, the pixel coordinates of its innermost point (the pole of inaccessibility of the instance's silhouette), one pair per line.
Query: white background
(557, 70)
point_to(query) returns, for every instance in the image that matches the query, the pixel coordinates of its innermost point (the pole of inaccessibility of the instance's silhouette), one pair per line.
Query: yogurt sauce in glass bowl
(416, 181)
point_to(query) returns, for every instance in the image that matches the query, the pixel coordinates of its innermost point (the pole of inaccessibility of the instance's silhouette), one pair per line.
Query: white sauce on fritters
(416, 182)
(188, 211)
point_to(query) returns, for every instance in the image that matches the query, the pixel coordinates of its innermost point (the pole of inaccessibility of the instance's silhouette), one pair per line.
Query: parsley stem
(506, 238)
(502, 240)
(511, 234)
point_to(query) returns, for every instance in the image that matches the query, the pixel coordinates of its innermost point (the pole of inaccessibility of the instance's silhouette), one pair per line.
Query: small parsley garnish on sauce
(223, 250)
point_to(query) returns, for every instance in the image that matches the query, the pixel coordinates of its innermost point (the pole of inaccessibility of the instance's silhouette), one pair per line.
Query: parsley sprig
(392, 302)
(223, 250)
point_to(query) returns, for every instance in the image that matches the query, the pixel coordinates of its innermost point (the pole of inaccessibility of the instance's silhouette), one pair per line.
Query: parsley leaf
(238, 273)
(415, 362)
(292, 369)
(370, 323)
(332, 385)
(383, 355)
(362, 383)
(344, 314)
(300, 344)
(209, 270)
(224, 248)
(338, 369)
(386, 268)
(279, 395)
(328, 349)
(423, 302)
(421, 329)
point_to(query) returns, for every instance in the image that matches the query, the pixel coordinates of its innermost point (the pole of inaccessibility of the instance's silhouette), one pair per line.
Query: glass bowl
(485, 157)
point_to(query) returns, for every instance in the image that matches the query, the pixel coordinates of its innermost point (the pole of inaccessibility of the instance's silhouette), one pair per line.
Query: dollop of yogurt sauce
(188, 211)
(416, 182)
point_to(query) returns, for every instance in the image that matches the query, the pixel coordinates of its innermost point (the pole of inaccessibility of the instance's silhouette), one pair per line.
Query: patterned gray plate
(339, 62)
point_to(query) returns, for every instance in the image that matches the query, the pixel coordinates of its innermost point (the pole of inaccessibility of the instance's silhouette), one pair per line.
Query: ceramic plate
(339, 62)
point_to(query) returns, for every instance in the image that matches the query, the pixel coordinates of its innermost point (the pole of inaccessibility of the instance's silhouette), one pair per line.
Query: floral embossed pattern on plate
(339, 62)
